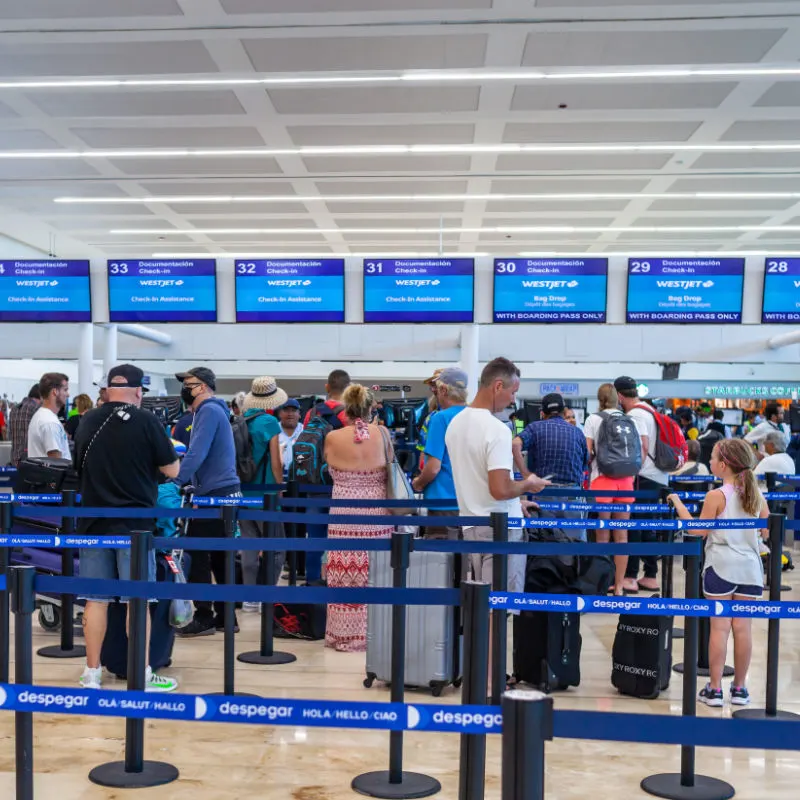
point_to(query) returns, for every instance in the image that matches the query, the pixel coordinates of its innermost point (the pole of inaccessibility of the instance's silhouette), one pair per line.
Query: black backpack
(308, 454)
(618, 447)
(246, 467)
(708, 441)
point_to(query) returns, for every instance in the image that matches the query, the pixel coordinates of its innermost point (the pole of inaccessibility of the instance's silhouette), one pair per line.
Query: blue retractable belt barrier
(642, 524)
(632, 508)
(666, 607)
(694, 479)
(362, 519)
(252, 594)
(322, 502)
(639, 494)
(101, 542)
(7, 470)
(30, 498)
(122, 512)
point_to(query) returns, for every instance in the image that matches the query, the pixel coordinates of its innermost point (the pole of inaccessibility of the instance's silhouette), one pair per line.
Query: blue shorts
(714, 586)
(111, 564)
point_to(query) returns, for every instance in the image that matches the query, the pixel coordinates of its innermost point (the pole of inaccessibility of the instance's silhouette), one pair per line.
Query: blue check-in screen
(290, 290)
(183, 290)
(685, 289)
(781, 290)
(419, 290)
(550, 289)
(45, 291)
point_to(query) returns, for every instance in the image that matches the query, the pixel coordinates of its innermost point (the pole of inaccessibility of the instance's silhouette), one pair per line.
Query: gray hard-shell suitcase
(433, 636)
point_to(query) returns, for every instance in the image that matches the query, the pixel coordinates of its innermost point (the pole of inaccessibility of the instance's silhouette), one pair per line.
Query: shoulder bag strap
(386, 445)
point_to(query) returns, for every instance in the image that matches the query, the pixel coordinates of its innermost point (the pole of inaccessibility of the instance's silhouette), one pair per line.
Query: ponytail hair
(739, 456)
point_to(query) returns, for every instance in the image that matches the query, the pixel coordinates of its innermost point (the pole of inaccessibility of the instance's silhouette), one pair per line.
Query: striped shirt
(21, 417)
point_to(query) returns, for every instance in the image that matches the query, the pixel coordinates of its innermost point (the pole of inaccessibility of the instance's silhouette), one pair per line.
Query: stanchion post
(267, 575)
(134, 772)
(686, 785)
(472, 764)
(527, 725)
(23, 604)
(777, 528)
(292, 491)
(394, 782)
(66, 648)
(6, 520)
(499, 627)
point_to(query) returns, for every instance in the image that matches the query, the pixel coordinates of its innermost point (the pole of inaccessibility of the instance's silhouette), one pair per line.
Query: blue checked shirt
(556, 448)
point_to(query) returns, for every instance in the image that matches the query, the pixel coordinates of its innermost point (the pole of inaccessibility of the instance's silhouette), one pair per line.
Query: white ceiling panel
(192, 211)
(196, 167)
(320, 54)
(781, 95)
(597, 132)
(735, 183)
(748, 161)
(117, 58)
(89, 217)
(43, 192)
(434, 209)
(657, 219)
(677, 4)
(616, 96)
(360, 165)
(725, 204)
(50, 169)
(169, 137)
(217, 187)
(267, 221)
(645, 47)
(27, 140)
(695, 236)
(132, 103)
(781, 130)
(336, 6)
(576, 162)
(566, 185)
(400, 186)
(91, 9)
(387, 100)
(310, 135)
(564, 208)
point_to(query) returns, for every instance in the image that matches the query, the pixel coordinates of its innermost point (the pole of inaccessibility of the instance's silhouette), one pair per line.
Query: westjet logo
(417, 282)
(684, 284)
(289, 283)
(37, 284)
(161, 282)
(549, 284)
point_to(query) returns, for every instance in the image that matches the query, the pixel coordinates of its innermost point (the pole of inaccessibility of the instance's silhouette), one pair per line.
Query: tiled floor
(237, 761)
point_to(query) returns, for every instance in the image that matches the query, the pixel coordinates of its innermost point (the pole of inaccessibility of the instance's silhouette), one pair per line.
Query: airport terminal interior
(605, 192)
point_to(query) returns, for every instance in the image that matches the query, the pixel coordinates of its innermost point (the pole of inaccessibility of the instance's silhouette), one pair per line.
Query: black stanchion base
(669, 785)
(677, 633)
(155, 773)
(413, 784)
(761, 713)
(55, 651)
(277, 657)
(703, 672)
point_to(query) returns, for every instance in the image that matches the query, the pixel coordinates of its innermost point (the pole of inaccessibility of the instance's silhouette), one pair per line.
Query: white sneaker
(251, 608)
(92, 678)
(158, 683)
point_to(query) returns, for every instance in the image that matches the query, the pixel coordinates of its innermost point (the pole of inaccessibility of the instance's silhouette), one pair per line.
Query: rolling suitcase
(433, 638)
(642, 655)
(547, 649)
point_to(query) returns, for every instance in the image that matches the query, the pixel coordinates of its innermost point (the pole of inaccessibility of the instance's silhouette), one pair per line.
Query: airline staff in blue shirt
(436, 479)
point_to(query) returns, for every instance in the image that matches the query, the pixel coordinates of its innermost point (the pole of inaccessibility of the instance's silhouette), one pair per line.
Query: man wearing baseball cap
(556, 450)
(210, 467)
(449, 386)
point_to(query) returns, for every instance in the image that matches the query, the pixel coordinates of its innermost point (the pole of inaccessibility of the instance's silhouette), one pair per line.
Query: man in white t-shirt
(46, 434)
(650, 477)
(773, 423)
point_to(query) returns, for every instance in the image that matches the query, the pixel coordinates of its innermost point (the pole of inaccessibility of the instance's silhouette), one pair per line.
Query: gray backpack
(618, 448)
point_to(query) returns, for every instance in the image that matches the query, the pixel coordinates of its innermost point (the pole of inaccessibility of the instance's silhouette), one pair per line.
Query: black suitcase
(642, 655)
(114, 654)
(547, 649)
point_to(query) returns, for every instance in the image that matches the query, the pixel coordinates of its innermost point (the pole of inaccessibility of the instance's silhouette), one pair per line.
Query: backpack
(308, 454)
(618, 448)
(672, 452)
(246, 467)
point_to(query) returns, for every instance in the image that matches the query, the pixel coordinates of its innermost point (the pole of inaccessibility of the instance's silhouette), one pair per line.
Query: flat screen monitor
(45, 291)
(290, 290)
(696, 290)
(781, 302)
(164, 290)
(419, 290)
(794, 418)
(168, 409)
(550, 289)
(398, 413)
(733, 417)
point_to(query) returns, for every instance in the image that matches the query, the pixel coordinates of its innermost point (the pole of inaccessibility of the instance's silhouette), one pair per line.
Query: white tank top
(734, 552)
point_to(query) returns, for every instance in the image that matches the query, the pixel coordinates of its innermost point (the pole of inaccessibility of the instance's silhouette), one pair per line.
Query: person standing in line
(650, 477)
(20, 421)
(357, 459)
(776, 458)
(332, 410)
(291, 428)
(733, 568)
(237, 404)
(120, 453)
(436, 479)
(46, 434)
(258, 407)
(556, 450)
(83, 403)
(209, 466)
(773, 422)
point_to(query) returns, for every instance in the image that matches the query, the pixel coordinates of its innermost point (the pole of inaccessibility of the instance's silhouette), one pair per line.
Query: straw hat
(265, 395)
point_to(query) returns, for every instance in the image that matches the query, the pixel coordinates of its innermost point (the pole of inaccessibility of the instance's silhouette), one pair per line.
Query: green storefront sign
(756, 391)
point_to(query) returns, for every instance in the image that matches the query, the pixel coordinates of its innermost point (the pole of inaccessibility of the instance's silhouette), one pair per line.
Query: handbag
(398, 487)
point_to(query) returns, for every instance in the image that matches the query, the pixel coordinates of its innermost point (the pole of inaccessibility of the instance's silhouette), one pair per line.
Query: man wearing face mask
(46, 434)
(210, 467)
